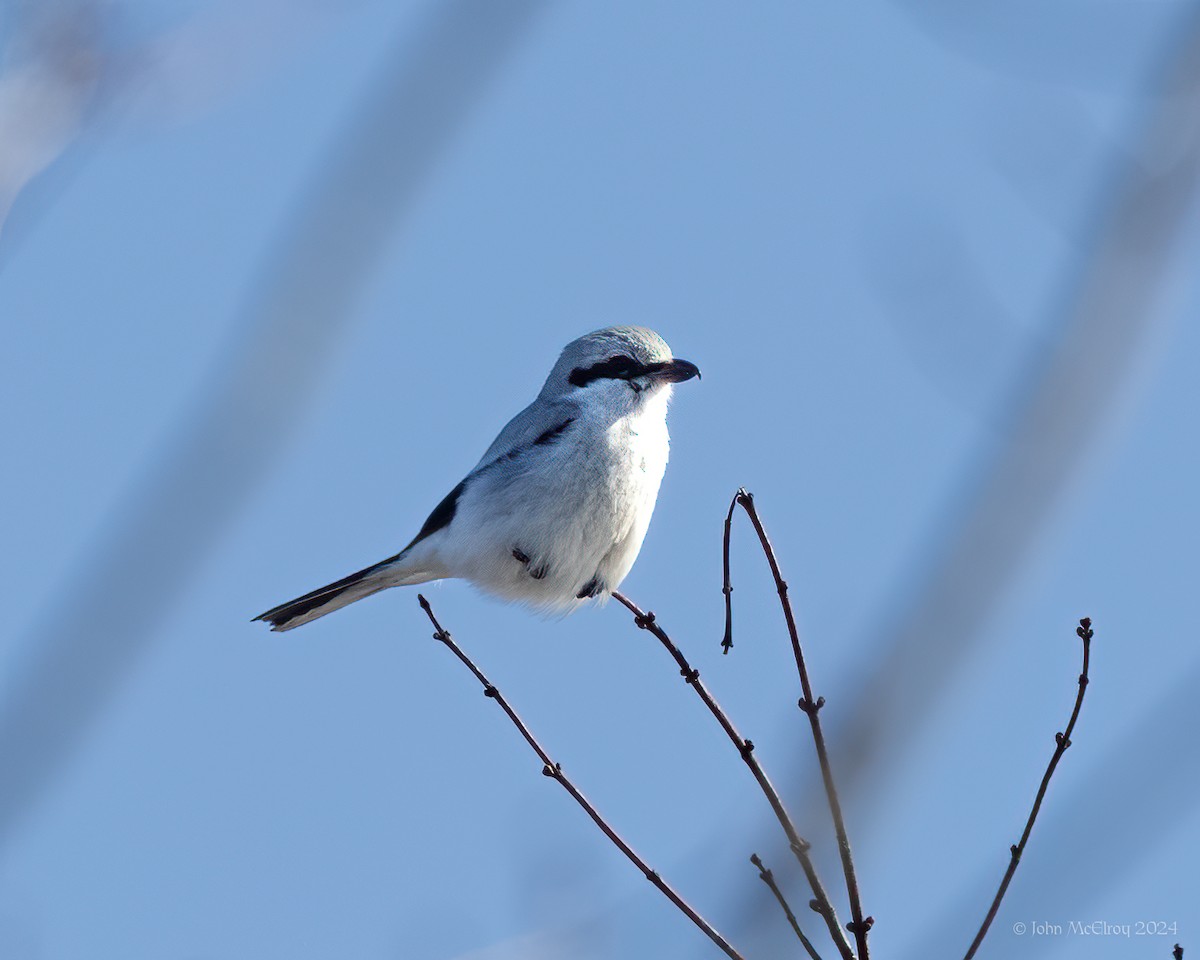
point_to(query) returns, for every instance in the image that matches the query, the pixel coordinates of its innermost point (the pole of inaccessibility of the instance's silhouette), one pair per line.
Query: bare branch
(767, 877)
(859, 925)
(1062, 741)
(555, 772)
(745, 748)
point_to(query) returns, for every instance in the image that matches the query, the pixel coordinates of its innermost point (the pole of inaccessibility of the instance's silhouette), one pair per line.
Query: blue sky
(880, 231)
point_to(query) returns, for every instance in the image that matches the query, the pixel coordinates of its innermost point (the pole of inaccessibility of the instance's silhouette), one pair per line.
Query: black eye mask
(614, 368)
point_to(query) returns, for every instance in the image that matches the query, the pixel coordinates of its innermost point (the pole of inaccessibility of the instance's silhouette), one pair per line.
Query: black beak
(676, 371)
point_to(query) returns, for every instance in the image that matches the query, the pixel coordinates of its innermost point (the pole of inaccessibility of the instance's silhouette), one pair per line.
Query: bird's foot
(522, 558)
(593, 588)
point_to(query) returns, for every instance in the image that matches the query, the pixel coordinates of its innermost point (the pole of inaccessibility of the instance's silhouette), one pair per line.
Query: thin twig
(555, 772)
(726, 586)
(767, 877)
(800, 847)
(859, 925)
(1062, 741)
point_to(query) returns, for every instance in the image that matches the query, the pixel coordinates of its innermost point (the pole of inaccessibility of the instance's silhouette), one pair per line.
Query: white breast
(578, 509)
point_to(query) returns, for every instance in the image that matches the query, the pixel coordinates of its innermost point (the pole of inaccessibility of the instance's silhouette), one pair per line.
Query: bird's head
(633, 359)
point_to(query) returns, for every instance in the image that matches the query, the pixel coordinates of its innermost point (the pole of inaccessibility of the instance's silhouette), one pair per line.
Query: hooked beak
(676, 371)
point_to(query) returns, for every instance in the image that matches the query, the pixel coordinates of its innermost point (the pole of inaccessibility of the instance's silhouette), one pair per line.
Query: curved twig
(726, 586)
(1062, 740)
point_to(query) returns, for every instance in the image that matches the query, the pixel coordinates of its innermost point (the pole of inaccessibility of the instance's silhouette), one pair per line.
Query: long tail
(334, 596)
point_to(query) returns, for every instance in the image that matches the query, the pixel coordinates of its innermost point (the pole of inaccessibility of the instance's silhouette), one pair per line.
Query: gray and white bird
(555, 512)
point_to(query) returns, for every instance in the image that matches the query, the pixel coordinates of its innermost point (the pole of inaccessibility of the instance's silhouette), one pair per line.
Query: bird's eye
(617, 367)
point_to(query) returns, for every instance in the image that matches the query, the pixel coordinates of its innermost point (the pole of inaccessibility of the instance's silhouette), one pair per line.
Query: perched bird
(555, 512)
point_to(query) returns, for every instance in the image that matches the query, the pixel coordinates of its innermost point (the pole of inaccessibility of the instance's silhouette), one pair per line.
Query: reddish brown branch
(555, 772)
(745, 748)
(767, 877)
(1062, 741)
(859, 925)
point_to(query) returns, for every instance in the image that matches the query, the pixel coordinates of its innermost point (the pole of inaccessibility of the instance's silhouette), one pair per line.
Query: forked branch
(1062, 741)
(555, 772)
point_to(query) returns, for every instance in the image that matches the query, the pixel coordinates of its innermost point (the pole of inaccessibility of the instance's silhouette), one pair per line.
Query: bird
(554, 513)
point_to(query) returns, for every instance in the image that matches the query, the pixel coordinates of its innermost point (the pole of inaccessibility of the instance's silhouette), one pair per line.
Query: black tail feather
(285, 614)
